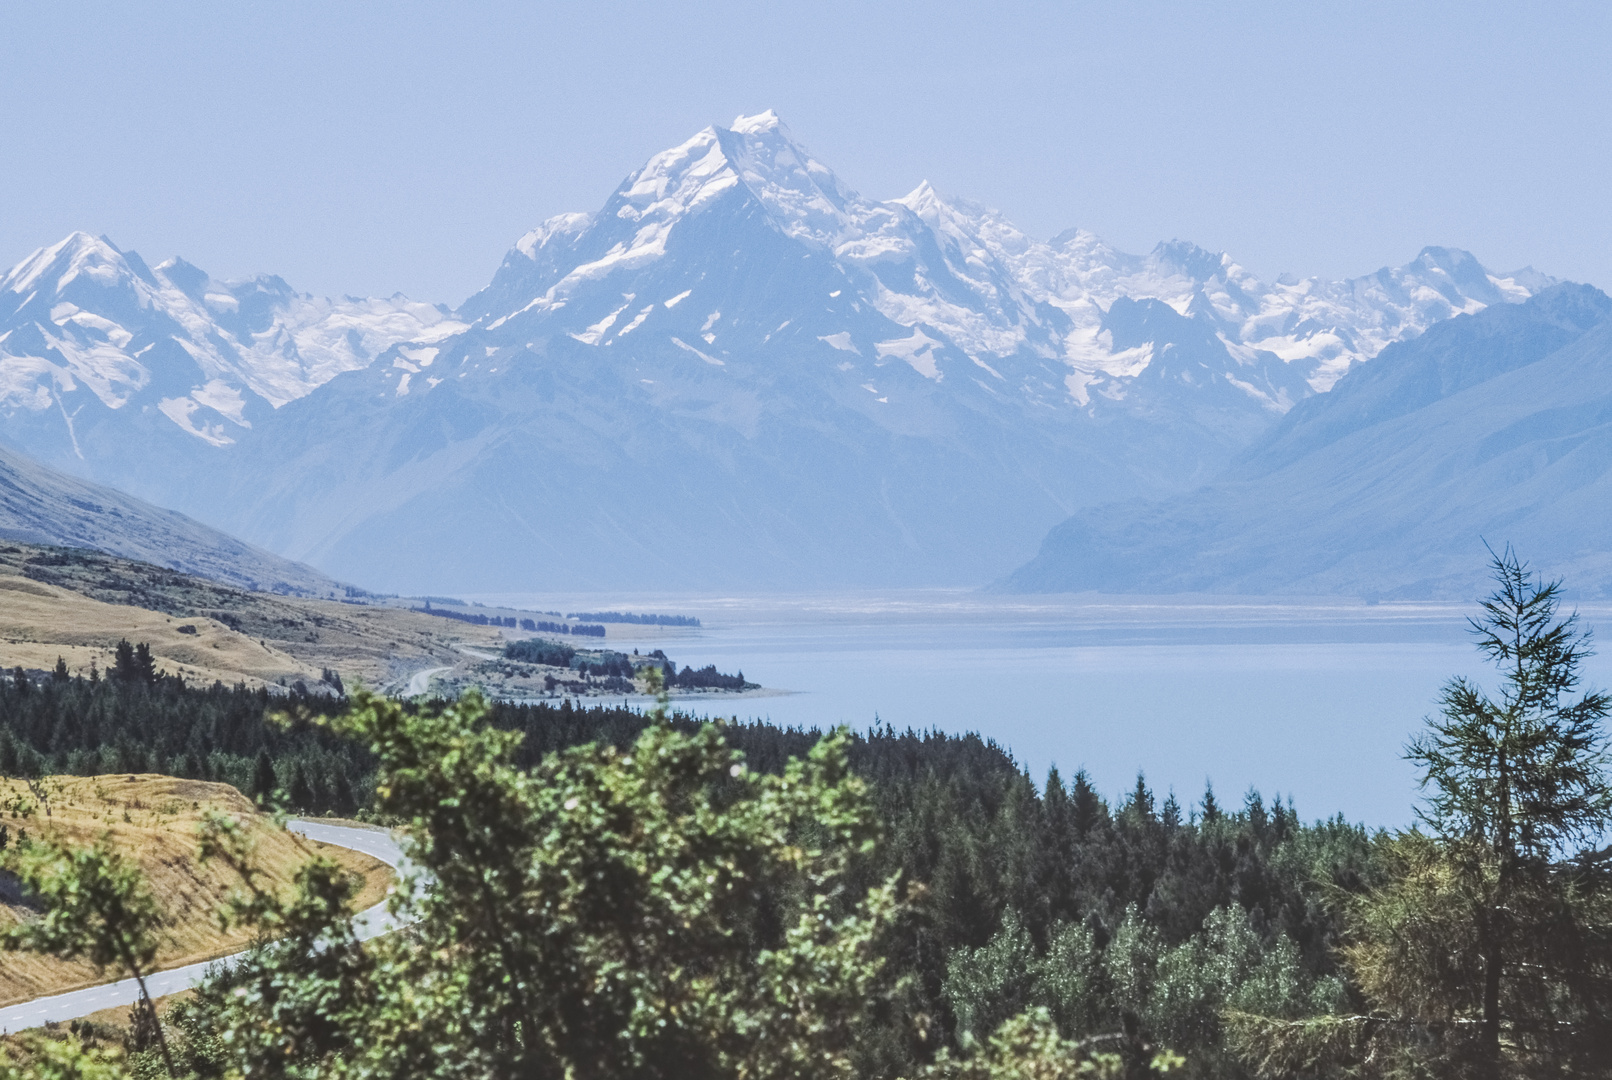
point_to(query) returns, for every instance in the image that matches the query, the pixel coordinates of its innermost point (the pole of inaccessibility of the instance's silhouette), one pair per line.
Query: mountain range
(739, 372)
(1490, 428)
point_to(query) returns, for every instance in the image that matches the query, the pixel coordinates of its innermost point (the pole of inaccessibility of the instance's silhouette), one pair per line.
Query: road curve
(420, 682)
(70, 1006)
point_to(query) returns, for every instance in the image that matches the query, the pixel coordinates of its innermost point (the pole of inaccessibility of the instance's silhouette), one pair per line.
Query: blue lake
(1315, 700)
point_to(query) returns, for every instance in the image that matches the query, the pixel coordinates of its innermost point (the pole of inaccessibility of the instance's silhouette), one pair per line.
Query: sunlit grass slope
(152, 820)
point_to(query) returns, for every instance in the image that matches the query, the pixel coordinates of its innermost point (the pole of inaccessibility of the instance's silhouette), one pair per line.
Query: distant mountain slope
(39, 505)
(739, 372)
(957, 270)
(1495, 426)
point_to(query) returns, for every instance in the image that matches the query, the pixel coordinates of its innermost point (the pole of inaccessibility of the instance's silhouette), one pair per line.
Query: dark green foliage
(96, 905)
(471, 617)
(299, 792)
(82, 727)
(475, 618)
(708, 678)
(962, 817)
(1486, 951)
(1525, 775)
(959, 816)
(638, 620)
(607, 665)
(1521, 782)
(537, 651)
(263, 779)
(134, 663)
(656, 913)
(332, 678)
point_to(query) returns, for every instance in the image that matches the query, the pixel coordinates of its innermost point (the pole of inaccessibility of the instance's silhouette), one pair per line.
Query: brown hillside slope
(152, 819)
(78, 604)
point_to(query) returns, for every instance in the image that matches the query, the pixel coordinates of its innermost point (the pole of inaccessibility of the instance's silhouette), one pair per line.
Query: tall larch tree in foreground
(1516, 784)
(1489, 951)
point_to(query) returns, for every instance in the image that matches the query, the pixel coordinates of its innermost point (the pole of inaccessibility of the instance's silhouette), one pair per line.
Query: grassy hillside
(77, 604)
(151, 819)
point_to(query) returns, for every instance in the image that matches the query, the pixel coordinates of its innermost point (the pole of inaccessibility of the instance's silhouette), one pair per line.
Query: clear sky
(368, 148)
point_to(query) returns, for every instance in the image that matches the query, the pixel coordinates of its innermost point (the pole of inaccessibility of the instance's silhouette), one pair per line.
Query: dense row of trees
(707, 678)
(135, 721)
(535, 626)
(636, 620)
(614, 665)
(538, 651)
(577, 629)
(1002, 858)
(658, 910)
(959, 813)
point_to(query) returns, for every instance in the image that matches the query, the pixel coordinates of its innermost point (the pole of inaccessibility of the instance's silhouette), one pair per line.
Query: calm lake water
(1314, 700)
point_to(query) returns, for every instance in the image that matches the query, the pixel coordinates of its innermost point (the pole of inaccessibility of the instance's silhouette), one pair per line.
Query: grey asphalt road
(421, 681)
(62, 1007)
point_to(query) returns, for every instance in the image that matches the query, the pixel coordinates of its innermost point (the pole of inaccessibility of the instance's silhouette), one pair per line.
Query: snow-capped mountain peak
(561, 225)
(57, 266)
(929, 264)
(804, 197)
(762, 123)
(753, 162)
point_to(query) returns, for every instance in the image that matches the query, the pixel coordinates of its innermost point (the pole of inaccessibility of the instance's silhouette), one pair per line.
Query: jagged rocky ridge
(91, 337)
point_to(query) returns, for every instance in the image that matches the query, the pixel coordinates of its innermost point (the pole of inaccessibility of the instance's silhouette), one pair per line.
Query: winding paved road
(370, 923)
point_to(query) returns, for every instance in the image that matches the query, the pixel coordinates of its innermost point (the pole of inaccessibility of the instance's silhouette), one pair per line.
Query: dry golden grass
(78, 605)
(39, 623)
(152, 819)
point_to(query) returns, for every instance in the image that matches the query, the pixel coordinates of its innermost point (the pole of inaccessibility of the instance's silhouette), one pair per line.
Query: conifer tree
(1517, 782)
(300, 792)
(263, 778)
(1488, 950)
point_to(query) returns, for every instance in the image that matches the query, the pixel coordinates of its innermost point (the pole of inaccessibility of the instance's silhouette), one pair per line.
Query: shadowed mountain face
(738, 373)
(1490, 427)
(41, 506)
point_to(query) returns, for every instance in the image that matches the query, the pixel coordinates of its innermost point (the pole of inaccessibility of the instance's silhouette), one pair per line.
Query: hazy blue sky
(368, 148)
